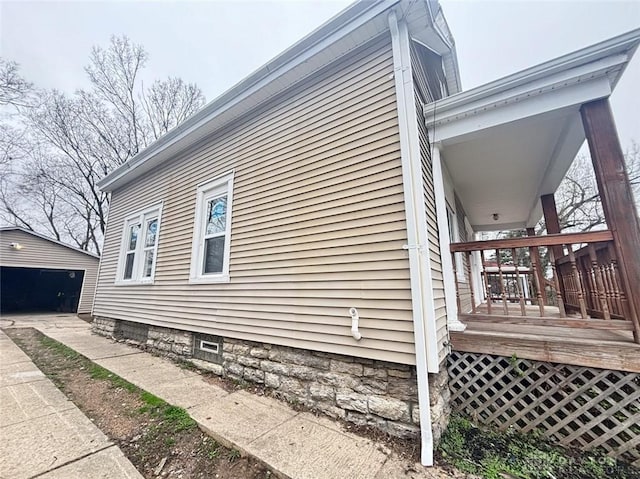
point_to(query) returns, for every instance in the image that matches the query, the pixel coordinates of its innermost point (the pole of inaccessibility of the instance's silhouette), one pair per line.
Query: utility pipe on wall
(355, 317)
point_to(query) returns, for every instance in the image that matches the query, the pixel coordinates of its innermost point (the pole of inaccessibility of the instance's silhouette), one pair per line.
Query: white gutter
(419, 264)
(336, 28)
(608, 57)
(588, 79)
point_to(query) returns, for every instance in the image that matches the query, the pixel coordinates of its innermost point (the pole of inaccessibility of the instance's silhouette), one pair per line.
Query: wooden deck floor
(547, 339)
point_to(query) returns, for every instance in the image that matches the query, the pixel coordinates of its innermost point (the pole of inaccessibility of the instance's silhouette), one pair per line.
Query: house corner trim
(453, 323)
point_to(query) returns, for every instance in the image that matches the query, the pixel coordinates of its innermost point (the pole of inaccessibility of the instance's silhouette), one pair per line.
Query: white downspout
(419, 265)
(448, 276)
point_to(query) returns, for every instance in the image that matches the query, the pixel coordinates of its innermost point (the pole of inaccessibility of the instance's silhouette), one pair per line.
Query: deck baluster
(556, 283)
(618, 293)
(537, 274)
(472, 294)
(503, 295)
(602, 295)
(523, 309)
(455, 275)
(487, 285)
(608, 285)
(592, 298)
(577, 282)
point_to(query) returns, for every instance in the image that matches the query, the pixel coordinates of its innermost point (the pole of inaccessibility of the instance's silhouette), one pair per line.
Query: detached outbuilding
(39, 274)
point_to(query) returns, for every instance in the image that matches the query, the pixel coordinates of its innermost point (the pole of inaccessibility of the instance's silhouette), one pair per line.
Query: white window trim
(197, 251)
(136, 277)
(455, 233)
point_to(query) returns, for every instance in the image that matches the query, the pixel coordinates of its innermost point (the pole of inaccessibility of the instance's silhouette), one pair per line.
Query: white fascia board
(332, 31)
(419, 265)
(444, 112)
(51, 240)
(622, 46)
(555, 97)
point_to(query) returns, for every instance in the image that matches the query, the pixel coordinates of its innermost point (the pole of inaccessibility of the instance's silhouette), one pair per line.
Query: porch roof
(506, 143)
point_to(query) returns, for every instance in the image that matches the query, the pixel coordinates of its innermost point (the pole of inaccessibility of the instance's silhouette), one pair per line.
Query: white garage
(38, 274)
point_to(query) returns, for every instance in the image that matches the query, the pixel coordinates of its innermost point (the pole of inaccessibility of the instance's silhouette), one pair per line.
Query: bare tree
(82, 137)
(14, 90)
(578, 199)
(167, 104)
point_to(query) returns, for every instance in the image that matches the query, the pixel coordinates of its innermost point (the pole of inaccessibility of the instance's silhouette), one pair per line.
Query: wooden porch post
(550, 212)
(551, 221)
(537, 271)
(616, 196)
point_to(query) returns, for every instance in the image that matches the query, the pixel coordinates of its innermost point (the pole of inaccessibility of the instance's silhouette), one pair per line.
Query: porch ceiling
(510, 141)
(508, 167)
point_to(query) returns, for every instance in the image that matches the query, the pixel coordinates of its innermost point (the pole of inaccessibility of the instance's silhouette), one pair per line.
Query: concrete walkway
(43, 434)
(293, 444)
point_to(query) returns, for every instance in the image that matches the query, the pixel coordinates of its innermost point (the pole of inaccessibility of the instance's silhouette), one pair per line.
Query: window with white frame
(212, 231)
(139, 246)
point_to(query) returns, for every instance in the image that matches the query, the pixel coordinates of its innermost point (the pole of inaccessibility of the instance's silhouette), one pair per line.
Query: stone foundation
(362, 391)
(104, 326)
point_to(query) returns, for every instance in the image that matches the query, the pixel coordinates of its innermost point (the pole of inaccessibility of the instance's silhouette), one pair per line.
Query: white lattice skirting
(572, 405)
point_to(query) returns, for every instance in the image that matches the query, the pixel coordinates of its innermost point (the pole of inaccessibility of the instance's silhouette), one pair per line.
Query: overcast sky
(217, 43)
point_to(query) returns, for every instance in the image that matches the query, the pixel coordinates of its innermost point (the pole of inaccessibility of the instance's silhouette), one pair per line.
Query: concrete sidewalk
(44, 434)
(293, 444)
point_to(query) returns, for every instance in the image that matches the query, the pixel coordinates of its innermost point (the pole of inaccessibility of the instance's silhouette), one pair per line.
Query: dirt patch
(159, 439)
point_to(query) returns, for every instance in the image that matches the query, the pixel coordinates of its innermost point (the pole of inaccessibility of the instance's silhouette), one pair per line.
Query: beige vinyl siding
(38, 252)
(318, 222)
(423, 95)
(464, 286)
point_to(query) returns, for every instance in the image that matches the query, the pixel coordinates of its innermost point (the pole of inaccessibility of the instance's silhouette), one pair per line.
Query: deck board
(598, 348)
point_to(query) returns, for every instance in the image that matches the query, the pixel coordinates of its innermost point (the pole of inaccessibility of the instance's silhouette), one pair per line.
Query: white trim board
(606, 59)
(41, 236)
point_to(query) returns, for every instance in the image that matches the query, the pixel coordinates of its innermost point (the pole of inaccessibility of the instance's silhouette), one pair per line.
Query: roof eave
(51, 240)
(340, 25)
(623, 47)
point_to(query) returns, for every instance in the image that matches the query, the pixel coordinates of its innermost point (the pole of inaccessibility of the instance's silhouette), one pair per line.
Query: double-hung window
(139, 247)
(212, 231)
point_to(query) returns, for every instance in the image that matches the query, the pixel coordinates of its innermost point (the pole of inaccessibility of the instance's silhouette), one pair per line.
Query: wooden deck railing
(521, 277)
(590, 279)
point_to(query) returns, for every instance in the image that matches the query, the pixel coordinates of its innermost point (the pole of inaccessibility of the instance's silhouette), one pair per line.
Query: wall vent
(207, 347)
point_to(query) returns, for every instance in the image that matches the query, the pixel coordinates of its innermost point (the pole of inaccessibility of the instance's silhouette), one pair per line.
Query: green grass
(179, 418)
(175, 417)
(98, 372)
(491, 454)
(60, 348)
(233, 455)
(152, 400)
(212, 451)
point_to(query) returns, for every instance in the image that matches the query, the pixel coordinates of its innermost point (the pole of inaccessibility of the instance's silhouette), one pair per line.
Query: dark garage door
(30, 290)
